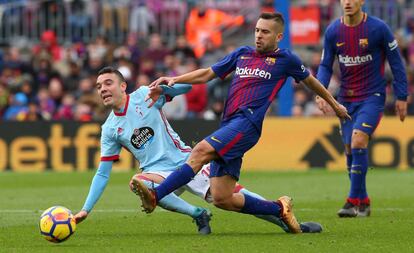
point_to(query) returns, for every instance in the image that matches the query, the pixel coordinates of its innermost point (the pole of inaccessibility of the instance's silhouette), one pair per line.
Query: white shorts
(199, 185)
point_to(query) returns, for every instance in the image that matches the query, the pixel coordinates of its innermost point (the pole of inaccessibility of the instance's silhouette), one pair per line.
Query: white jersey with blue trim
(145, 132)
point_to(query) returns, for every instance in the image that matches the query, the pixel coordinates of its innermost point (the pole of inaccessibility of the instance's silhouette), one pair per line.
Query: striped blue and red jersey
(361, 51)
(257, 79)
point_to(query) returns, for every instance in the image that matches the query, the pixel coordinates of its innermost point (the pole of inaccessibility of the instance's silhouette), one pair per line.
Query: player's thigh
(222, 187)
(369, 114)
(234, 138)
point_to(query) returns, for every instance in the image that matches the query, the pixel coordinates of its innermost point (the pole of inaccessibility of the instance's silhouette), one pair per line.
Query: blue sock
(270, 218)
(349, 164)
(174, 181)
(257, 206)
(358, 172)
(174, 203)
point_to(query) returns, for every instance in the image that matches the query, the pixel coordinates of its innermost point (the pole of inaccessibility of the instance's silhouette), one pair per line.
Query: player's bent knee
(222, 203)
(203, 153)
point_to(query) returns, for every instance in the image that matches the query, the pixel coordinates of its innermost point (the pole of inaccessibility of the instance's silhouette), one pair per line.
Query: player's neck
(354, 20)
(119, 107)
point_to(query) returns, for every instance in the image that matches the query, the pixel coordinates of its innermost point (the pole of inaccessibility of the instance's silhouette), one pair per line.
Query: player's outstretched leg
(174, 203)
(306, 227)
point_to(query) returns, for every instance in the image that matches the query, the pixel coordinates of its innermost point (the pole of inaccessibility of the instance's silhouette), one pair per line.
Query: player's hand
(401, 109)
(79, 217)
(342, 112)
(153, 94)
(162, 80)
(323, 105)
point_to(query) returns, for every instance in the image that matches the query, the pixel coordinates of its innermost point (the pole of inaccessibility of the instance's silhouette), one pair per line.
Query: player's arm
(313, 84)
(398, 71)
(99, 182)
(325, 68)
(194, 77)
(169, 92)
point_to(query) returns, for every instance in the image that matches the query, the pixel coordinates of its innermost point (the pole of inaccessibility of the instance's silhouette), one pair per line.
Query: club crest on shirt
(120, 130)
(363, 42)
(139, 111)
(142, 137)
(270, 60)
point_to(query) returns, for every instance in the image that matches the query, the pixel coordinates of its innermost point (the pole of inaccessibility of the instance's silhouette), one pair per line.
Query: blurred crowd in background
(51, 52)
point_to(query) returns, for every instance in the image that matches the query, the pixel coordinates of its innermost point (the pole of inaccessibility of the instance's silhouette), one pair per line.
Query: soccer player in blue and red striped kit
(259, 75)
(361, 43)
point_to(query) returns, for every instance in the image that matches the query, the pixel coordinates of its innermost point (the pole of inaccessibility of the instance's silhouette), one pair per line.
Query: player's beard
(265, 49)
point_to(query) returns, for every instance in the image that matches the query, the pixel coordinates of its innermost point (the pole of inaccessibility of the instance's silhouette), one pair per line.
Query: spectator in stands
(197, 97)
(17, 109)
(121, 11)
(206, 24)
(142, 18)
(48, 46)
(46, 104)
(156, 50)
(182, 50)
(33, 113)
(66, 109)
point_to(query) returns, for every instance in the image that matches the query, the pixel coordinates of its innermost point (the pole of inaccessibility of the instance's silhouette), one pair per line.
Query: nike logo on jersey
(340, 44)
(393, 45)
(215, 139)
(366, 125)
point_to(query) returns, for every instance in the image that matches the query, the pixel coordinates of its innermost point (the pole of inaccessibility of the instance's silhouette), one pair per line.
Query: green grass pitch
(118, 225)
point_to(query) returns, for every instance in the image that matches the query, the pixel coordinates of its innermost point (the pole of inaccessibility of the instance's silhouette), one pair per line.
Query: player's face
(267, 35)
(351, 7)
(110, 89)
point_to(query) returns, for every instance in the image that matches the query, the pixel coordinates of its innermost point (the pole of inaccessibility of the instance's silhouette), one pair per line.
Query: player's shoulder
(108, 122)
(286, 53)
(376, 22)
(244, 50)
(333, 27)
(141, 91)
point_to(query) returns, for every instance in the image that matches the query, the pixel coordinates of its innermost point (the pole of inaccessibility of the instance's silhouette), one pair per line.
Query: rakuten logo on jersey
(354, 61)
(248, 72)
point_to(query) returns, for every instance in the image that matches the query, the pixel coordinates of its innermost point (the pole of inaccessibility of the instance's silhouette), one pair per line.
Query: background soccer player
(143, 131)
(361, 43)
(259, 74)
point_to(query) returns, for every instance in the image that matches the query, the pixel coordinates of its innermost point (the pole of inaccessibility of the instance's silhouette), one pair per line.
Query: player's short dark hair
(275, 16)
(112, 70)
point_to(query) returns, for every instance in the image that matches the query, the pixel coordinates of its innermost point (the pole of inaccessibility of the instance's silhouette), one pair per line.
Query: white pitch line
(163, 210)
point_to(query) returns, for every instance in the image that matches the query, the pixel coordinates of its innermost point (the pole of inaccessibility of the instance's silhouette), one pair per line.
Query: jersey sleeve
(328, 56)
(296, 69)
(226, 65)
(110, 149)
(99, 182)
(396, 63)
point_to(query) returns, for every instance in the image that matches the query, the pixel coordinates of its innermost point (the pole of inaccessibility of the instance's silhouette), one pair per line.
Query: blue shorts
(366, 116)
(234, 138)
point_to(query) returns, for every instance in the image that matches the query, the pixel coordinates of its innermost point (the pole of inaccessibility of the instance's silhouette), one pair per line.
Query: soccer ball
(57, 224)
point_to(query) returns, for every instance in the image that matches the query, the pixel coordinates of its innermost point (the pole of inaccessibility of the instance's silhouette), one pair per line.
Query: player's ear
(279, 37)
(123, 86)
